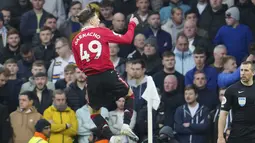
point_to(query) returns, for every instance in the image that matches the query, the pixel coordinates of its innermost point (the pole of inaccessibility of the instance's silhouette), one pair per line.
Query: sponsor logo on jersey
(241, 101)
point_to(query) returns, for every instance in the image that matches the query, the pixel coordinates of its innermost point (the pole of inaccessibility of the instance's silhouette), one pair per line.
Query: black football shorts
(105, 88)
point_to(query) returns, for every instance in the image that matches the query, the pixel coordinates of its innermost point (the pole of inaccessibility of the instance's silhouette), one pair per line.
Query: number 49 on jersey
(86, 54)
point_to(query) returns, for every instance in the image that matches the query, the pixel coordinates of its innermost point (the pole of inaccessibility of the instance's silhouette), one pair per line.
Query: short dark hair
(10, 61)
(12, 31)
(86, 15)
(5, 71)
(153, 13)
(50, 16)
(6, 9)
(38, 63)
(199, 50)
(199, 72)
(191, 11)
(248, 63)
(30, 95)
(40, 74)
(26, 48)
(46, 28)
(226, 58)
(139, 61)
(58, 91)
(70, 67)
(181, 34)
(191, 87)
(105, 3)
(168, 54)
(74, 3)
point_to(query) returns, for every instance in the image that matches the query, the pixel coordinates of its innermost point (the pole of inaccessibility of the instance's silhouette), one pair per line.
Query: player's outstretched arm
(127, 38)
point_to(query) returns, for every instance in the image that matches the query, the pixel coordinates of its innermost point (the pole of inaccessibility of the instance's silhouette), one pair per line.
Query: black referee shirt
(241, 99)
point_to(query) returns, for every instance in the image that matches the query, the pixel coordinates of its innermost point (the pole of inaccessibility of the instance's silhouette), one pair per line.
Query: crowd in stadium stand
(191, 48)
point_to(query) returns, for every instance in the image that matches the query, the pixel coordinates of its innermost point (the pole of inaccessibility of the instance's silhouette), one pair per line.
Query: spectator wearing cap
(165, 12)
(142, 14)
(42, 132)
(214, 10)
(199, 56)
(12, 49)
(139, 47)
(56, 8)
(247, 16)
(235, 36)
(33, 20)
(3, 32)
(191, 119)
(164, 39)
(43, 95)
(183, 55)
(151, 57)
(23, 130)
(71, 26)
(166, 134)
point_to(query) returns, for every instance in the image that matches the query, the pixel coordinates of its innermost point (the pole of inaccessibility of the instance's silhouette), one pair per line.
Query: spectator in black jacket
(76, 91)
(12, 48)
(5, 128)
(25, 64)
(4, 92)
(46, 49)
(43, 94)
(69, 77)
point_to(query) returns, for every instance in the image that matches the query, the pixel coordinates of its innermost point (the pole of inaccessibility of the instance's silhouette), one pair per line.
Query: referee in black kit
(240, 97)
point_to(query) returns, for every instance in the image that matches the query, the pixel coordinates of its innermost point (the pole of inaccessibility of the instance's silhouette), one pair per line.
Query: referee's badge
(242, 101)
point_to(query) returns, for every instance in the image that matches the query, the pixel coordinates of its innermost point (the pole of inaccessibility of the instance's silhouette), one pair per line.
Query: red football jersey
(91, 48)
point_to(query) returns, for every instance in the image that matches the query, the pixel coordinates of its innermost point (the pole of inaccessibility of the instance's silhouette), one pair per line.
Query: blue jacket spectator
(29, 24)
(199, 123)
(236, 37)
(226, 79)
(165, 12)
(211, 77)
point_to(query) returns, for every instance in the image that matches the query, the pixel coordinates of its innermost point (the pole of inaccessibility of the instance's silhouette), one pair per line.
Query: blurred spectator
(168, 62)
(193, 15)
(118, 62)
(124, 6)
(63, 120)
(38, 66)
(166, 135)
(217, 114)
(43, 95)
(214, 10)
(45, 50)
(3, 32)
(7, 3)
(200, 5)
(106, 11)
(142, 15)
(206, 96)
(151, 57)
(129, 73)
(7, 17)
(139, 47)
(236, 37)
(164, 39)
(51, 22)
(33, 20)
(86, 2)
(71, 26)
(247, 16)
(42, 128)
(116, 117)
(210, 72)
(174, 25)
(85, 124)
(12, 47)
(14, 84)
(77, 90)
(5, 129)
(165, 12)
(191, 119)
(56, 8)
(65, 57)
(69, 77)
(156, 4)
(23, 130)
(4, 96)
(218, 53)
(172, 98)
(190, 30)
(138, 83)
(26, 62)
(183, 55)
(118, 26)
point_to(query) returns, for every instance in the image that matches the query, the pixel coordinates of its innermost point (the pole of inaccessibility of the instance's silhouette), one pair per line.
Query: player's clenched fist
(134, 19)
(221, 140)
